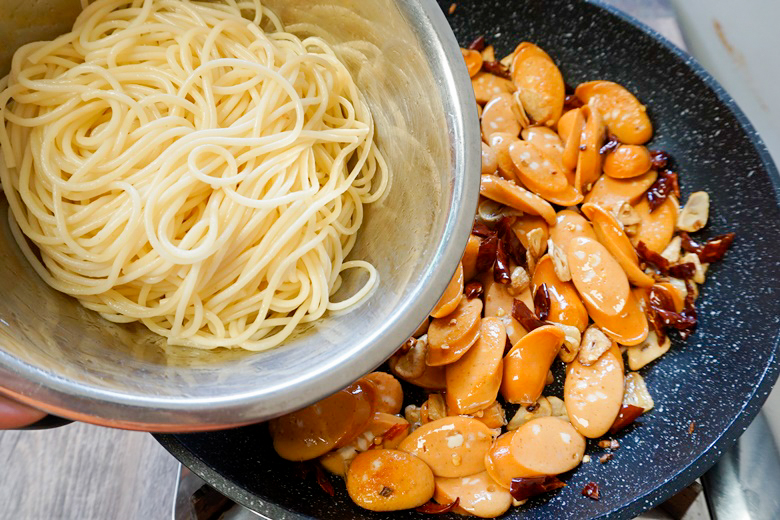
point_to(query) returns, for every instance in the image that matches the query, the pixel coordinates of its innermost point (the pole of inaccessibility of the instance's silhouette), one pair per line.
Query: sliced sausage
(478, 495)
(527, 363)
(594, 394)
(451, 336)
(452, 446)
(473, 381)
(389, 480)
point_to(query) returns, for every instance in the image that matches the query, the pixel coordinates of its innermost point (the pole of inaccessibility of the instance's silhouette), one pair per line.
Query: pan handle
(743, 483)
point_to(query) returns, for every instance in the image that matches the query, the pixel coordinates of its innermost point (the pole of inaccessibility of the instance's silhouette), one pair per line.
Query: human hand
(16, 415)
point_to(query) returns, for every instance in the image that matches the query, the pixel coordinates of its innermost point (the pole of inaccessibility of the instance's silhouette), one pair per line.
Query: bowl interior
(64, 358)
(716, 380)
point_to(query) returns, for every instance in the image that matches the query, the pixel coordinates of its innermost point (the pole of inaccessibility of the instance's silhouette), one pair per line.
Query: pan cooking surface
(717, 380)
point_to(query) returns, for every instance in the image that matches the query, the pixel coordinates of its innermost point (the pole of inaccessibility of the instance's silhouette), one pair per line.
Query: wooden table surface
(84, 472)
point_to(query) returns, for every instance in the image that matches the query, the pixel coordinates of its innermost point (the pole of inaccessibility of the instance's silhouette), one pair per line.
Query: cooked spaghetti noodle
(189, 165)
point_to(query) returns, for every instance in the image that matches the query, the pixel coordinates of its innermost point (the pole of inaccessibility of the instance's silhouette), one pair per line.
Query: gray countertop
(90, 473)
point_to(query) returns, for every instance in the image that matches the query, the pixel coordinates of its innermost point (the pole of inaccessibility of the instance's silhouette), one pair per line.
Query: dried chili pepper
(664, 185)
(486, 256)
(478, 44)
(324, 481)
(432, 508)
(514, 247)
(496, 68)
(501, 269)
(473, 289)
(395, 430)
(660, 159)
(628, 414)
(712, 250)
(591, 490)
(683, 270)
(523, 488)
(480, 229)
(525, 316)
(542, 302)
(610, 146)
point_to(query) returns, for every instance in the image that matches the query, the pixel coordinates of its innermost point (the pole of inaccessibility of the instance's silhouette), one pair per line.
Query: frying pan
(717, 380)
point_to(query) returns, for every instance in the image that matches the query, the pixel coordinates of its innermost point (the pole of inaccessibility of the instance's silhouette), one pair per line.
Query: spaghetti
(191, 166)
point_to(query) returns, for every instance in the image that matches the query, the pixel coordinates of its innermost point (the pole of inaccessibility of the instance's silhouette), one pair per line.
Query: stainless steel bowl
(58, 356)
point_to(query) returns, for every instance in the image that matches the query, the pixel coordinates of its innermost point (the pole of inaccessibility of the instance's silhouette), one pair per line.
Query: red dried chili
(684, 270)
(514, 247)
(525, 316)
(497, 68)
(478, 44)
(473, 289)
(664, 185)
(712, 250)
(627, 415)
(591, 490)
(501, 272)
(660, 159)
(610, 146)
(523, 488)
(571, 102)
(542, 302)
(324, 482)
(481, 230)
(486, 256)
(649, 256)
(432, 508)
(395, 430)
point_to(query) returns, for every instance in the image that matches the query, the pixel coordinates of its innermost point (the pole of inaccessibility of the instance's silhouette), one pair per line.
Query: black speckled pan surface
(718, 379)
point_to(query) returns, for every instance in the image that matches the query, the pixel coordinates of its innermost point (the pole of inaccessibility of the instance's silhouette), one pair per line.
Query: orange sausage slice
(547, 446)
(473, 61)
(328, 424)
(338, 461)
(512, 195)
(389, 480)
(487, 86)
(610, 193)
(478, 495)
(610, 233)
(473, 381)
(571, 127)
(566, 307)
(546, 140)
(489, 159)
(535, 170)
(528, 223)
(594, 394)
(623, 114)
(498, 304)
(527, 363)
(469, 259)
(452, 295)
(544, 446)
(598, 277)
(389, 394)
(656, 229)
(499, 116)
(589, 158)
(451, 336)
(628, 328)
(569, 225)
(499, 142)
(452, 446)
(629, 160)
(539, 83)
(432, 379)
